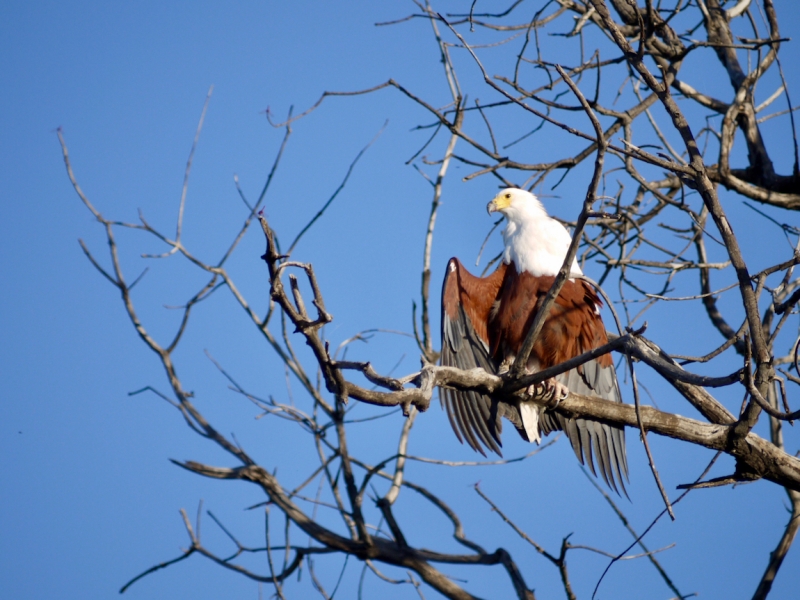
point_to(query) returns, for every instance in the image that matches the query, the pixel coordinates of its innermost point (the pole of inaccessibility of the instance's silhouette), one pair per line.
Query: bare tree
(662, 106)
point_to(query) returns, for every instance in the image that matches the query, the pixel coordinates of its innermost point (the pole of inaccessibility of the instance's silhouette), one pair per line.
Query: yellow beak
(500, 202)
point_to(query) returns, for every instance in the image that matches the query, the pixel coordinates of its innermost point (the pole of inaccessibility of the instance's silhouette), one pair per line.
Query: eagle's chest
(572, 327)
(517, 303)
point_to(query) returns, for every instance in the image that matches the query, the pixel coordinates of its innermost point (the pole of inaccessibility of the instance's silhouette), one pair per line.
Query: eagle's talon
(554, 392)
(559, 395)
(550, 392)
(536, 391)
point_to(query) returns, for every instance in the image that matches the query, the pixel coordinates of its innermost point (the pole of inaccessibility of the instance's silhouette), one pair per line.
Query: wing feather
(466, 303)
(574, 326)
(605, 441)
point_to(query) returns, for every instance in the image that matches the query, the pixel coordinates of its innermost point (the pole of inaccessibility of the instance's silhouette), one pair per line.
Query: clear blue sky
(88, 498)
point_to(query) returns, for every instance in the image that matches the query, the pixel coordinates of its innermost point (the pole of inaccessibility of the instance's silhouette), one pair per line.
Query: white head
(534, 242)
(517, 206)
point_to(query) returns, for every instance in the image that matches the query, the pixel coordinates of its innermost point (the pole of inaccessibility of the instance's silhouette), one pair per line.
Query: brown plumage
(484, 323)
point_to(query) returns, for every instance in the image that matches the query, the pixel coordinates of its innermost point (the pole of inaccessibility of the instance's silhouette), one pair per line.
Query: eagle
(485, 321)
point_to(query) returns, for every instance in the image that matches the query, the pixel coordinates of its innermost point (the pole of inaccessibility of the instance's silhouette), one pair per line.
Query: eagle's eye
(508, 196)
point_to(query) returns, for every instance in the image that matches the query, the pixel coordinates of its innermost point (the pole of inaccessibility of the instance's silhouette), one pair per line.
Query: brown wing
(577, 311)
(466, 304)
(573, 327)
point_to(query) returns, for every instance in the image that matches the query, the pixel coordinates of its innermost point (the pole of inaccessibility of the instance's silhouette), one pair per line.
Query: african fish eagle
(485, 321)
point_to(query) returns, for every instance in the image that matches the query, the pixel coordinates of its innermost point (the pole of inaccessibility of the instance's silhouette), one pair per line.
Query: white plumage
(534, 241)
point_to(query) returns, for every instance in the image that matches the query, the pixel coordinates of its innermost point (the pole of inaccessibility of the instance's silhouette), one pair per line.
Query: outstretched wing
(577, 311)
(466, 304)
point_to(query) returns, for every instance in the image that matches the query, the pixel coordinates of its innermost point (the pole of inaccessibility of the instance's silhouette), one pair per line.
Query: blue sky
(89, 498)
